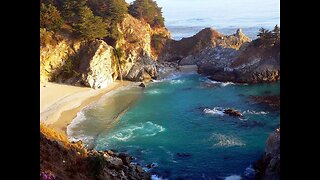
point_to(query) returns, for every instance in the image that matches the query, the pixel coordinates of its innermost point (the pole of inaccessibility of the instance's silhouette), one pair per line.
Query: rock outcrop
(208, 37)
(232, 112)
(96, 64)
(60, 159)
(53, 57)
(139, 55)
(143, 70)
(268, 168)
(249, 64)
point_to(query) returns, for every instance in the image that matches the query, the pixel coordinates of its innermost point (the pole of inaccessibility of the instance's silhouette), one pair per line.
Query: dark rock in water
(142, 85)
(152, 165)
(271, 101)
(184, 155)
(252, 124)
(139, 169)
(232, 112)
(241, 95)
(126, 159)
(267, 92)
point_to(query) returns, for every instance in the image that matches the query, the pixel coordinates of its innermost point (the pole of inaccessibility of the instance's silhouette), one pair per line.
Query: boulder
(142, 85)
(232, 112)
(96, 67)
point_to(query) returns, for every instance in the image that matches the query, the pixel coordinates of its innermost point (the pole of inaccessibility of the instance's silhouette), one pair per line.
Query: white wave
(226, 141)
(155, 91)
(233, 177)
(209, 81)
(214, 111)
(255, 112)
(249, 172)
(223, 84)
(146, 129)
(178, 81)
(156, 177)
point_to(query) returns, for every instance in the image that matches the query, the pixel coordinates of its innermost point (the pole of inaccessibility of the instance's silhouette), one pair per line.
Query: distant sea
(184, 18)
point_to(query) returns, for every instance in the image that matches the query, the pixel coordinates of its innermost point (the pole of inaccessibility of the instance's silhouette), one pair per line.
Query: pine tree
(89, 26)
(50, 17)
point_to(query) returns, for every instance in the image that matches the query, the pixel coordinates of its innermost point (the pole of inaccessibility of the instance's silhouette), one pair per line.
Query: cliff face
(94, 63)
(208, 37)
(249, 64)
(140, 49)
(60, 159)
(269, 166)
(54, 57)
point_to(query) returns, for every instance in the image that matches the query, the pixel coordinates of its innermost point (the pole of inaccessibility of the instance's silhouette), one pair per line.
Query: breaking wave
(156, 177)
(214, 111)
(141, 130)
(255, 112)
(233, 177)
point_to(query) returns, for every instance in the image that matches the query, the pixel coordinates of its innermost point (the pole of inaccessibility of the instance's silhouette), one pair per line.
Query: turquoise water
(178, 125)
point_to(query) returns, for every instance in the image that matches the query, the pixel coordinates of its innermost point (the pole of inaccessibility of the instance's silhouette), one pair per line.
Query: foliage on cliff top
(84, 19)
(147, 10)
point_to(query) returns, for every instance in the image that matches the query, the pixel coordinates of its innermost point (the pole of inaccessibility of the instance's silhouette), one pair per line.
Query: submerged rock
(183, 155)
(271, 101)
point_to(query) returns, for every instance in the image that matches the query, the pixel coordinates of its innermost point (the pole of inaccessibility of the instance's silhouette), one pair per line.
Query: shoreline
(60, 103)
(58, 112)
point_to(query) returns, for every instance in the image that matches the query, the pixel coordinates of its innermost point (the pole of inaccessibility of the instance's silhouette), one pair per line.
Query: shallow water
(178, 125)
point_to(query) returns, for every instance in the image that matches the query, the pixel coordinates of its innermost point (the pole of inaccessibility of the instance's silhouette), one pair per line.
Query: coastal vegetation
(95, 19)
(147, 10)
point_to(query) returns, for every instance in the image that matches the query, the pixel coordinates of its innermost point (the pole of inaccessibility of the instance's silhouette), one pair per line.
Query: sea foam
(233, 177)
(146, 129)
(156, 177)
(225, 141)
(255, 112)
(214, 111)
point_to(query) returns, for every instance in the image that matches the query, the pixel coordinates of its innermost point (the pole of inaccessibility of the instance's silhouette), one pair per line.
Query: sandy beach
(60, 103)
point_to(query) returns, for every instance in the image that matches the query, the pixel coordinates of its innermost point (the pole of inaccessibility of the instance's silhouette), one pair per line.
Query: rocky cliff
(268, 168)
(208, 37)
(55, 52)
(95, 64)
(249, 64)
(140, 48)
(60, 159)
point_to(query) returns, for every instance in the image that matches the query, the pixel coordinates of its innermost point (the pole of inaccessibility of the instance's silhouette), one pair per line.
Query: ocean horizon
(184, 18)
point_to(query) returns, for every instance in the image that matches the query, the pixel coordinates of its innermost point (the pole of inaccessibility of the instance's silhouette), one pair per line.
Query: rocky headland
(61, 159)
(268, 167)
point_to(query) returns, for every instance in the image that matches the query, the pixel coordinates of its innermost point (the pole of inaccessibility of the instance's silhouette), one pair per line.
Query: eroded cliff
(95, 63)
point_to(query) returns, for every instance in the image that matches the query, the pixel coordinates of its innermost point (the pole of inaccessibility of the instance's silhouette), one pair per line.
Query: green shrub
(147, 10)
